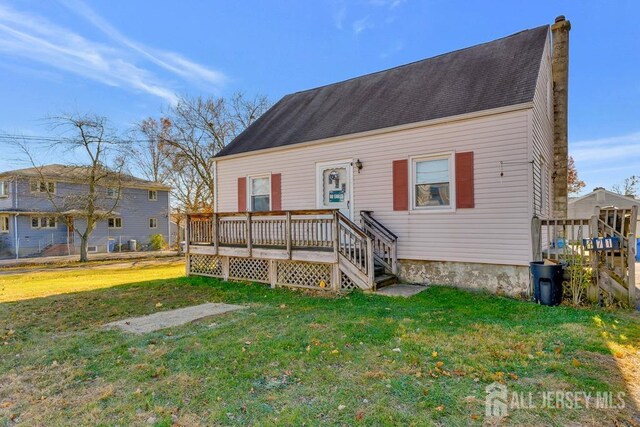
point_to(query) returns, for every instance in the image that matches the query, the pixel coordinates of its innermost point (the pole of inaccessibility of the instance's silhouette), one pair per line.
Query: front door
(334, 186)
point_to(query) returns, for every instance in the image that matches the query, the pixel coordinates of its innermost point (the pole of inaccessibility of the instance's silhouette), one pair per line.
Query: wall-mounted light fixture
(358, 165)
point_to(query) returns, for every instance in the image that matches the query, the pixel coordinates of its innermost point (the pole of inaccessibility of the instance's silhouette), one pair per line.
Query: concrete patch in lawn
(166, 319)
(401, 290)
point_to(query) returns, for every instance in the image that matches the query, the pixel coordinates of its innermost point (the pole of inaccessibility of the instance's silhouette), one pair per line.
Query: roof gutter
(425, 123)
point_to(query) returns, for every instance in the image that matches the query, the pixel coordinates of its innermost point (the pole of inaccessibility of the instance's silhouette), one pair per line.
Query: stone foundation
(510, 280)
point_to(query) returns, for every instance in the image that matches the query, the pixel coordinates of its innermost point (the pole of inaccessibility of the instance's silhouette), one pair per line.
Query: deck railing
(572, 241)
(302, 235)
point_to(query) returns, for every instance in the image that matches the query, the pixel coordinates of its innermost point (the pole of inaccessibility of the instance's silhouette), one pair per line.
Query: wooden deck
(613, 270)
(320, 249)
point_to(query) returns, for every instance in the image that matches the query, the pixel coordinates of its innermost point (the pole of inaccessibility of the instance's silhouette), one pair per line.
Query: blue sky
(129, 60)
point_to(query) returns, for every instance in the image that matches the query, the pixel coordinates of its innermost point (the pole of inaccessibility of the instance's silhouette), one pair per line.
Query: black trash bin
(547, 283)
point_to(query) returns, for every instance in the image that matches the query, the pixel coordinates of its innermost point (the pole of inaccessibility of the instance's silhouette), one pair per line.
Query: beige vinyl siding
(542, 139)
(496, 231)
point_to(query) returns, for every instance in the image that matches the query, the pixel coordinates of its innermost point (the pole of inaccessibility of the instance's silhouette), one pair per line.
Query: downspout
(15, 233)
(169, 218)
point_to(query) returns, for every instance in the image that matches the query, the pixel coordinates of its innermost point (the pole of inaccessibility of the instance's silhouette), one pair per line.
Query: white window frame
(249, 179)
(153, 227)
(113, 193)
(40, 221)
(4, 224)
(155, 195)
(39, 183)
(4, 189)
(452, 186)
(115, 226)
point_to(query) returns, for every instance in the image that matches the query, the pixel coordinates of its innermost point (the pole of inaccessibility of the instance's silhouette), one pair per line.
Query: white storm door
(334, 186)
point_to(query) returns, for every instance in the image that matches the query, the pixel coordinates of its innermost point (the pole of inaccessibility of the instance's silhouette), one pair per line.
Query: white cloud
(622, 147)
(29, 36)
(170, 61)
(340, 15)
(361, 24)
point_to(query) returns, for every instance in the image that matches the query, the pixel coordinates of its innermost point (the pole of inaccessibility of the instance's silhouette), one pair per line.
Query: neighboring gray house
(30, 225)
(584, 206)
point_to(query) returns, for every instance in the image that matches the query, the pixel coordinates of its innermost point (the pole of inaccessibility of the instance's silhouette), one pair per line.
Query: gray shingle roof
(78, 174)
(496, 74)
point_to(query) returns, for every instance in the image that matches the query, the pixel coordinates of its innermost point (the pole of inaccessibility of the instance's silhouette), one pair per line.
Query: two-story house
(35, 222)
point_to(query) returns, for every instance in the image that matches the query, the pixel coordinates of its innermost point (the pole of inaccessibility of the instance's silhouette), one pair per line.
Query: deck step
(385, 280)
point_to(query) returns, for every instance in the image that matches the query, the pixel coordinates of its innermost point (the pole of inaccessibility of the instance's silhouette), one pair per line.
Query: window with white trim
(39, 187)
(153, 222)
(115, 222)
(260, 193)
(113, 193)
(4, 189)
(4, 223)
(153, 195)
(431, 182)
(44, 222)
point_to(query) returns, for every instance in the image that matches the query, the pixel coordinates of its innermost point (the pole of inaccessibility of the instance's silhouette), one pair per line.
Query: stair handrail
(371, 221)
(355, 246)
(384, 240)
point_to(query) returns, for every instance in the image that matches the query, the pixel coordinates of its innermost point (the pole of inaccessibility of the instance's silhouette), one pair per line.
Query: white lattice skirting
(281, 273)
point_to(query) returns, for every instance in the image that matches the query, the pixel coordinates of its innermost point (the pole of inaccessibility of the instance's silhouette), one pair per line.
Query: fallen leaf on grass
(359, 415)
(158, 304)
(440, 408)
(6, 404)
(434, 354)
(576, 362)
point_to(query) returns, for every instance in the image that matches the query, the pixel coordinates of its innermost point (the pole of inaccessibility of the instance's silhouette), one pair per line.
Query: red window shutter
(401, 185)
(242, 194)
(276, 192)
(464, 180)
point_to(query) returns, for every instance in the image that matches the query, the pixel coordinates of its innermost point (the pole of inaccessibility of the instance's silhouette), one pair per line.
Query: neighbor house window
(153, 195)
(115, 222)
(43, 187)
(43, 222)
(153, 223)
(432, 182)
(4, 189)
(260, 194)
(4, 224)
(113, 193)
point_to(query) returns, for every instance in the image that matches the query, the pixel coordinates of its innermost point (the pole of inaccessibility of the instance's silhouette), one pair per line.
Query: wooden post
(592, 292)
(249, 237)
(335, 276)
(536, 238)
(631, 266)
(225, 267)
(370, 264)
(216, 230)
(273, 273)
(288, 234)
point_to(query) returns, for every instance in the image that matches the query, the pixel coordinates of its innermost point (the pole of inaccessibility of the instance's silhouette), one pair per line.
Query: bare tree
(91, 138)
(149, 154)
(629, 186)
(200, 128)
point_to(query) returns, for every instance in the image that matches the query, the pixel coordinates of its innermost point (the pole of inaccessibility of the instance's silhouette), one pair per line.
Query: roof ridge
(416, 61)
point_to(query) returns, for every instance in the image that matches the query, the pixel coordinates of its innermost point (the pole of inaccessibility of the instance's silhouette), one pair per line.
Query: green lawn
(294, 358)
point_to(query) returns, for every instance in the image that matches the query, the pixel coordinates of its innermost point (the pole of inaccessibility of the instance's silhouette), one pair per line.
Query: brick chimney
(560, 76)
